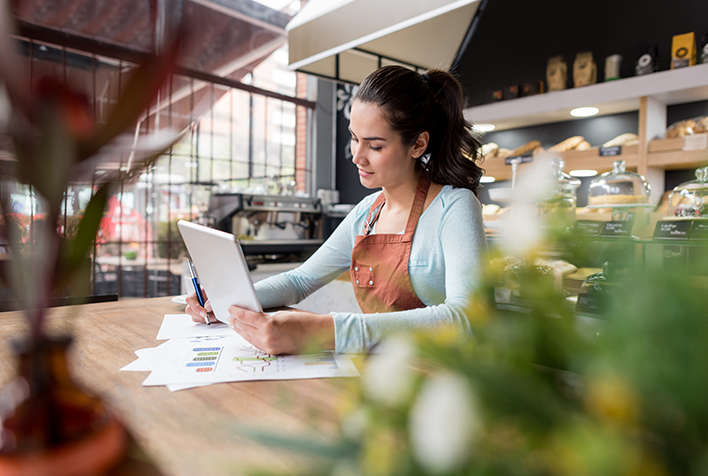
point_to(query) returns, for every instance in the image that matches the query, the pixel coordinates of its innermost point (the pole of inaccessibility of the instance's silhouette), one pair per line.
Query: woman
(415, 250)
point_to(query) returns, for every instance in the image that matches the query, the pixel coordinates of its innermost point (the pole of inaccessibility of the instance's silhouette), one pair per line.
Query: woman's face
(379, 154)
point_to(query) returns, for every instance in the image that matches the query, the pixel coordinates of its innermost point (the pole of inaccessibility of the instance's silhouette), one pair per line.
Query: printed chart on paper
(230, 358)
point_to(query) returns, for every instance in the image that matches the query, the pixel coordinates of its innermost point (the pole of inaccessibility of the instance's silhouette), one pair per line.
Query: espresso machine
(277, 227)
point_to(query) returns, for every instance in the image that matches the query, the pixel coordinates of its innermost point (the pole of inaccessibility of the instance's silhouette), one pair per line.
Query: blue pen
(197, 287)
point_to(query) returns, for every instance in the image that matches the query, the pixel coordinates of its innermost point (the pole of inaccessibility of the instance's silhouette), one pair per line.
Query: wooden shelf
(678, 159)
(624, 95)
(574, 160)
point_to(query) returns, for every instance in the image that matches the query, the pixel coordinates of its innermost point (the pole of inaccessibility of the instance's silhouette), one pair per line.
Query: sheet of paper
(138, 365)
(181, 325)
(231, 359)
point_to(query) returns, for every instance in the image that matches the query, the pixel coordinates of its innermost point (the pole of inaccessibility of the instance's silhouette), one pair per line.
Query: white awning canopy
(345, 40)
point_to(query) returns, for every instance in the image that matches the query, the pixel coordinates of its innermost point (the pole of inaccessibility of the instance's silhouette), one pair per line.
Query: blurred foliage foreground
(540, 393)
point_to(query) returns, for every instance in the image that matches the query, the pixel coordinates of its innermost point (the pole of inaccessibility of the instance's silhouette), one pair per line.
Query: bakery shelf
(574, 160)
(678, 159)
(668, 87)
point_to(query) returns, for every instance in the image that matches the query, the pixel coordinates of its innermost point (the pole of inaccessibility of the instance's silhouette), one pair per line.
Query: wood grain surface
(200, 431)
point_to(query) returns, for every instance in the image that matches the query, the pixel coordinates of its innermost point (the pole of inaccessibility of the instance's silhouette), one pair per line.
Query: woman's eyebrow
(366, 138)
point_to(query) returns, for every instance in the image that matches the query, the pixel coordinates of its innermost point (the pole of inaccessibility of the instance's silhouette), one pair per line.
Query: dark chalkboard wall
(347, 180)
(515, 38)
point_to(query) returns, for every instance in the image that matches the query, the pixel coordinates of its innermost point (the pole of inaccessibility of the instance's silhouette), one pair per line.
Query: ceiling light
(584, 111)
(486, 179)
(484, 127)
(583, 173)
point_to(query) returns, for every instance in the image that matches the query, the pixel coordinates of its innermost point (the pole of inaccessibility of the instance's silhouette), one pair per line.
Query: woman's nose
(357, 155)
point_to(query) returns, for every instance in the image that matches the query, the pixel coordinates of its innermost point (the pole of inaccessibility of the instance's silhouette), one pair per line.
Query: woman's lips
(364, 173)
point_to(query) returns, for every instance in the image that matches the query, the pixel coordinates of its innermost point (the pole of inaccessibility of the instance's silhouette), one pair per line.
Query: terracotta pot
(50, 425)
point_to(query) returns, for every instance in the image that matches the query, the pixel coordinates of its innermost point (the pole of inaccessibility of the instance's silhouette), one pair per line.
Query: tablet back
(222, 268)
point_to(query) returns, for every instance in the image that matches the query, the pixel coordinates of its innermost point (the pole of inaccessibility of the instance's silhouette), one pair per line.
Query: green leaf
(88, 228)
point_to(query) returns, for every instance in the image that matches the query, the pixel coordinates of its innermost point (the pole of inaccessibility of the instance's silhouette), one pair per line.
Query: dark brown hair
(413, 103)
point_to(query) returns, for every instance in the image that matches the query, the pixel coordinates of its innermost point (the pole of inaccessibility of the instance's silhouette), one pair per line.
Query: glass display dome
(690, 199)
(558, 206)
(618, 187)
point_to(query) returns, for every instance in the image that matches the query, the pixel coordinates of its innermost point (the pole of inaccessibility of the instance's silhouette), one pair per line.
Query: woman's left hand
(284, 332)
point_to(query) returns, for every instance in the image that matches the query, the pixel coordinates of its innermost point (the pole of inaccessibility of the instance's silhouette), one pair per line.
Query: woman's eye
(374, 148)
(354, 139)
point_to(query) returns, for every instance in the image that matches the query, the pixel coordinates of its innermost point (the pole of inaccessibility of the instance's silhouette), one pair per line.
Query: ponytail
(414, 103)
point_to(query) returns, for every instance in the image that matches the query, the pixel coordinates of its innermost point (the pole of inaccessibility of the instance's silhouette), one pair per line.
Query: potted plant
(48, 423)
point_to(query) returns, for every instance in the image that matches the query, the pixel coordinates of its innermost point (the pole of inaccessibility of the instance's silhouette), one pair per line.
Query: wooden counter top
(189, 432)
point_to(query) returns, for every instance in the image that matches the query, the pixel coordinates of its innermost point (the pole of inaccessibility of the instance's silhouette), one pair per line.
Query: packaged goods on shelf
(703, 52)
(584, 70)
(683, 50)
(557, 74)
(612, 67)
(647, 60)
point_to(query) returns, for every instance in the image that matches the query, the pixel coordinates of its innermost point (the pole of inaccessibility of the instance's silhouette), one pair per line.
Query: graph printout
(231, 359)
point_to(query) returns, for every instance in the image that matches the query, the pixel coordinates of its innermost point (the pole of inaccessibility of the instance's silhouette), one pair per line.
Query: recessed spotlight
(583, 173)
(584, 111)
(487, 179)
(484, 127)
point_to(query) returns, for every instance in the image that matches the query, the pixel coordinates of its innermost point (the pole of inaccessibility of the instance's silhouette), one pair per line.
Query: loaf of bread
(701, 125)
(526, 148)
(622, 139)
(489, 150)
(568, 144)
(537, 151)
(504, 152)
(584, 145)
(681, 128)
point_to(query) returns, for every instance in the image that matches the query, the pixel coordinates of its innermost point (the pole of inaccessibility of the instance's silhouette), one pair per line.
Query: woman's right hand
(196, 311)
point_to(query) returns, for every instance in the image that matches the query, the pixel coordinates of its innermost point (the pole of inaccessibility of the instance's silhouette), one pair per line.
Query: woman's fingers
(245, 332)
(249, 318)
(196, 311)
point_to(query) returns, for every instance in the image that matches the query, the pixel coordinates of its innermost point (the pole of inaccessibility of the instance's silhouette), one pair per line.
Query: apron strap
(421, 193)
(373, 216)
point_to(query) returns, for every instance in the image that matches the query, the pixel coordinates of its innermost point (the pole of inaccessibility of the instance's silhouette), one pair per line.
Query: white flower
(388, 376)
(444, 423)
(523, 233)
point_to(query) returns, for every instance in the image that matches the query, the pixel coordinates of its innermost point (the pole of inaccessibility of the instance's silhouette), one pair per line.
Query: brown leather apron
(379, 269)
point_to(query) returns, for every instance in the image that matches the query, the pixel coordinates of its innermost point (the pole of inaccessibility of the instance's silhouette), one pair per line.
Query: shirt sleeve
(460, 232)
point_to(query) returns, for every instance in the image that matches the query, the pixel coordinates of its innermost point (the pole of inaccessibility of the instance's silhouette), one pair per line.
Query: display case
(690, 199)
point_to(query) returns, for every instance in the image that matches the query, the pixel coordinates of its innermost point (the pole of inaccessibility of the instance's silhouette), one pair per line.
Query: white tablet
(221, 267)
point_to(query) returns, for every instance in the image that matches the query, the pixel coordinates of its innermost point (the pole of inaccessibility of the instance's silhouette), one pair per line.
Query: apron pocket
(363, 276)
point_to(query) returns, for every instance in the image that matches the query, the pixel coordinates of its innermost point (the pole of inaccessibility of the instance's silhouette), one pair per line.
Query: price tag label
(699, 230)
(589, 302)
(610, 151)
(672, 230)
(588, 227)
(523, 159)
(502, 295)
(617, 229)
(695, 142)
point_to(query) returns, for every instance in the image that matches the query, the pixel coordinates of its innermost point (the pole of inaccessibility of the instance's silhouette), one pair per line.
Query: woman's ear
(420, 144)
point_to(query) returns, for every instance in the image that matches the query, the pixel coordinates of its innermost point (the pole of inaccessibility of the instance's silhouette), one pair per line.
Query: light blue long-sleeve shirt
(445, 269)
